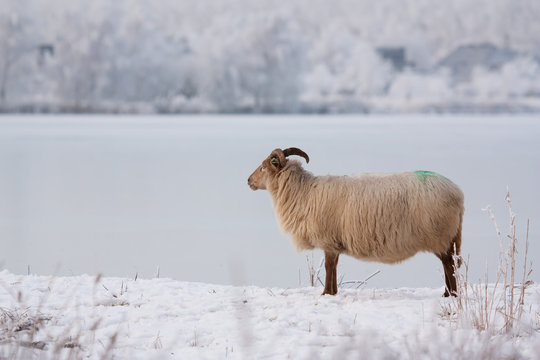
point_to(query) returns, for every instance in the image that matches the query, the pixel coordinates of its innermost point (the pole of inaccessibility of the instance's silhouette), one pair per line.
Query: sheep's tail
(456, 241)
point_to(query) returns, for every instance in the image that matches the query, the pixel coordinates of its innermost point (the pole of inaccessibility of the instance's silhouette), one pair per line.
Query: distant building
(464, 58)
(44, 50)
(395, 55)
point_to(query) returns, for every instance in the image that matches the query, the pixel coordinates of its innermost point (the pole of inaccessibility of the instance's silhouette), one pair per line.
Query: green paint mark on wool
(424, 174)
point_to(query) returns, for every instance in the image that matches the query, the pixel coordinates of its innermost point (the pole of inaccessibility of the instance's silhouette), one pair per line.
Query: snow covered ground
(120, 195)
(93, 317)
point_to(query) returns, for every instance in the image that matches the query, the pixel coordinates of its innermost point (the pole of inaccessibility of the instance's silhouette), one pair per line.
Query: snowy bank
(93, 317)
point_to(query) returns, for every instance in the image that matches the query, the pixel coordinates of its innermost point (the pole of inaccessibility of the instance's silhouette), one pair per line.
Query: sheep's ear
(277, 159)
(274, 161)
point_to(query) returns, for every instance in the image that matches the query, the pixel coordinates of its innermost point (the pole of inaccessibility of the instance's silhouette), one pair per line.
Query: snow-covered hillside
(245, 56)
(104, 318)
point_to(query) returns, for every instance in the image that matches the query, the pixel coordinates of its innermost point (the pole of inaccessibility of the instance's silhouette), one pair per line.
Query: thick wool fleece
(386, 218)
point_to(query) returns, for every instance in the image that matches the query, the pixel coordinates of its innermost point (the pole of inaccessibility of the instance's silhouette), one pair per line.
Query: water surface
(124, 195)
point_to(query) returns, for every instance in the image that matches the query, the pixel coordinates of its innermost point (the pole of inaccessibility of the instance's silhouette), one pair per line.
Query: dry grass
(491, 309)
(496, 308)
(314, 275)
(24, 333)
(18, 329)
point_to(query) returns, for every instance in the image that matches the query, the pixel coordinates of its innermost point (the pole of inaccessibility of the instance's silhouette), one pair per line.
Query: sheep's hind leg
(449, 272)
(330, 264)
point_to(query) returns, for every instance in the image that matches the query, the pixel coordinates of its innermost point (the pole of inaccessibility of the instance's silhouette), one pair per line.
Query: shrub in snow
(499, 307)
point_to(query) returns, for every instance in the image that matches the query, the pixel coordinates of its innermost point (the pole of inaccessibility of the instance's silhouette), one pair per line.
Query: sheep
(386, 218)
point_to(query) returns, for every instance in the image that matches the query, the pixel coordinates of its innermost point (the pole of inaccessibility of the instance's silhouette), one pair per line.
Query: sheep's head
(271, 166)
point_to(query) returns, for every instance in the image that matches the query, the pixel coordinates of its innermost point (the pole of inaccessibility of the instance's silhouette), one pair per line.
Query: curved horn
(296, 151)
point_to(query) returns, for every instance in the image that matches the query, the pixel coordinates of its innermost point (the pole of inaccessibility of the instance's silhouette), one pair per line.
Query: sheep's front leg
(330, 264)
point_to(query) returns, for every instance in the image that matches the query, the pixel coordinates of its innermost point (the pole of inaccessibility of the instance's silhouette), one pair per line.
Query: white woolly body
(386, 218)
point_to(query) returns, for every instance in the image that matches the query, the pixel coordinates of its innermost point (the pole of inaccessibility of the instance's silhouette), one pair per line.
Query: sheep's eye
(274, 162)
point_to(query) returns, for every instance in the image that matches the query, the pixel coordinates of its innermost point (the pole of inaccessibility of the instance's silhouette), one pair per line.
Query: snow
(167, 319)
(121, 195)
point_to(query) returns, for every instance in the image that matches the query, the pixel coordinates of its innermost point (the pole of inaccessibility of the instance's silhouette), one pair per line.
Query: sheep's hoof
(447, 294)
(329, 292)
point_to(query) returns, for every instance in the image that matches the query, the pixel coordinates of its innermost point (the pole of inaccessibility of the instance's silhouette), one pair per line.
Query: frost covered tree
(257, 66)
(271, 66)
(207, 55)
(344, 68)
(84, 54)
(16, 43)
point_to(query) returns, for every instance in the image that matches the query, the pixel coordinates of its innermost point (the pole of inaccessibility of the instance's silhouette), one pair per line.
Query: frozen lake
(127, 194)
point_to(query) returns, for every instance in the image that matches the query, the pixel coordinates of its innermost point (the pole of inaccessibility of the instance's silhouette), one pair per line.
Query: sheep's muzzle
(252, 184)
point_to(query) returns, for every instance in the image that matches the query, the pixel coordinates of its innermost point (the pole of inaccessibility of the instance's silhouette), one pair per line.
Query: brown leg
(449, 272)
(330, 264)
